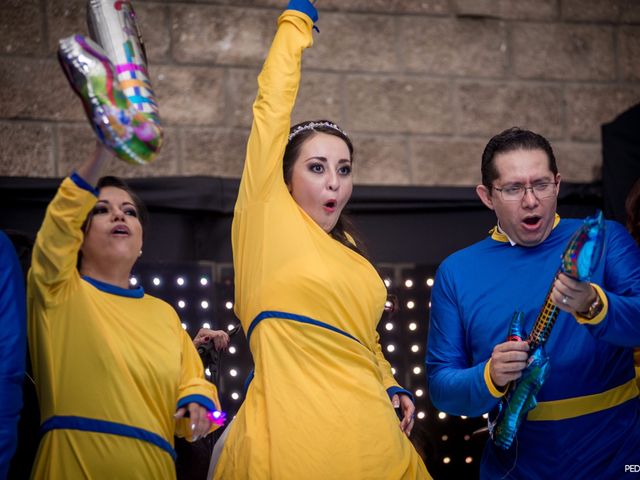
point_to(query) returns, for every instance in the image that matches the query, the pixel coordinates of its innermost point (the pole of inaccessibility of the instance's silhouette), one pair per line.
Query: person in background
(587, 420)
(321, 402)
(632, 207)
(219, 338)
(115, 372)
(13, 344)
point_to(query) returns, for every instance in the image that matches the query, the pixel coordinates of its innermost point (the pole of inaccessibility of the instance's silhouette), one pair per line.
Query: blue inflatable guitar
(579, 261)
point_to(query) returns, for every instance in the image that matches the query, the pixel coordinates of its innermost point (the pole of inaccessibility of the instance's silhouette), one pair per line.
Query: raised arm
(55, 253)
(278, 84)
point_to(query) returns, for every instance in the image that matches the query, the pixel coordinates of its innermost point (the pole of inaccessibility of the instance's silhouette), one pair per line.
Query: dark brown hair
(509, 140)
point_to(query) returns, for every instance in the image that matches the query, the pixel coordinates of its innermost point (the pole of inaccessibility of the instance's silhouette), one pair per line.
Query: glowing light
(417, 370)
(228, 305)
(485, 416)
(180, 281)
(411, 304)
(207, 372)
(421, 415)
(408, 283)
(233, 372)
(446, 460)
(419, 392)
(231, 326)
(156, 281)
(133, 281)
(413, 326)
(184, 325)
(463, 417)
(468, 460)
(442, 415)
(388, 304)
(467, 438)
(393, 370)
(387, 282)
(182, 304)
(204, 281)
(204, 304)
(445, 438)
(429, 282)
(235, 395)
(232, 350)
(391, 348)
(415, 348)
(389, 326)
(206, 325)
(429, 303)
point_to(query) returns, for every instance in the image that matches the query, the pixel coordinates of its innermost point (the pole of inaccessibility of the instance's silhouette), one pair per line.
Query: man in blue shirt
(587, 422)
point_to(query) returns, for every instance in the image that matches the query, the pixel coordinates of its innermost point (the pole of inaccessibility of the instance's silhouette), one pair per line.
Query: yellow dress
(111, 365)
(318, 406)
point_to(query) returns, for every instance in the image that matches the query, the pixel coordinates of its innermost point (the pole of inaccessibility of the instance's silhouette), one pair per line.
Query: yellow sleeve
(55, 253)
(278, 84)
(194, 387)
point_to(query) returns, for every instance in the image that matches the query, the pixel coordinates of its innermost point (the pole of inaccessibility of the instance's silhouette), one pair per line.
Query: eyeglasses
(515, 193)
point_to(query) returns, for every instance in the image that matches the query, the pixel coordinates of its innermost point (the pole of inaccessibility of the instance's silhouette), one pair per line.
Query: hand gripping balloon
(112, 81)
(579, 261)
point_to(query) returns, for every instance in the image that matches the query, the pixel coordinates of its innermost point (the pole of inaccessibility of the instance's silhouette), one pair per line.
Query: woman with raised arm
(321, 402)
(115, 372)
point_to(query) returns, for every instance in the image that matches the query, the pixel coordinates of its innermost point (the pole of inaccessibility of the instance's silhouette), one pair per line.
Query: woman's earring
(140, 254)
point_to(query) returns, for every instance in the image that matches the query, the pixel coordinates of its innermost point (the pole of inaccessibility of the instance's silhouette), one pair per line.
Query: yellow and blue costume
(587, 422)
(318, 406)
(111, 365)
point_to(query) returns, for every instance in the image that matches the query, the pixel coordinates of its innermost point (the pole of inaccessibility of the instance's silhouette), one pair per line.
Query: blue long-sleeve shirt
(590, 386)
(13, 344)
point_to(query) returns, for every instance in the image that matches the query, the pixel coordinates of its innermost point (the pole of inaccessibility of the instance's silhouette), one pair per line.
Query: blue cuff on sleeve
(82, 183)
(391, 391)
(199, 399)
(304, 6)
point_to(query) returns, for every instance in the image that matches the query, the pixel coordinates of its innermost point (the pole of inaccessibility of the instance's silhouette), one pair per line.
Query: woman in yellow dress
(115, 372)
(321, 402)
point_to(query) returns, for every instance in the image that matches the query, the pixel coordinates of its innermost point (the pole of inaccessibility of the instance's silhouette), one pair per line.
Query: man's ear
(485, 196)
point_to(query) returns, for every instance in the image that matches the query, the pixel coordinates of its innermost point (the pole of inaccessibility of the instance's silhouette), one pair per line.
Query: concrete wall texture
(420, 85)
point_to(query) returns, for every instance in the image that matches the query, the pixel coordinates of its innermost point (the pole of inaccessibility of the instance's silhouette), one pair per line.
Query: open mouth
(330, 206)
(533, 221)
(120, 230)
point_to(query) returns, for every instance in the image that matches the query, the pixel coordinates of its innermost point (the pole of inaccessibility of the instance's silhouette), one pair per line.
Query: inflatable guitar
(112, 81)
(579, 261)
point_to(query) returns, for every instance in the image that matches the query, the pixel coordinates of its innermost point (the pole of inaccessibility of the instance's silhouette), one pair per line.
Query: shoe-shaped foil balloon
(112, 81)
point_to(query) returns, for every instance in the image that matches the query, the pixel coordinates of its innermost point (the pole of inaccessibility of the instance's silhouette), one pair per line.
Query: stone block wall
(420, 85)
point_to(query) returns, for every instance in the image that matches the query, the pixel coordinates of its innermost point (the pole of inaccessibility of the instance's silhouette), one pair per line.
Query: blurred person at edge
(13, 347)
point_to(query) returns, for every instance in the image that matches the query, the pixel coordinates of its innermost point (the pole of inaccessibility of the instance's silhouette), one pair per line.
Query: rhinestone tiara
(313, 125)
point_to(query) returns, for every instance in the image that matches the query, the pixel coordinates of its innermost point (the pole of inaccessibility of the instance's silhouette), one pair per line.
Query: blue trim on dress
(137, 292)
(304, 6)
(199, 399)
(298, 318)
(391, 391)
(248, 381)
(103, 426)
(82, 183)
